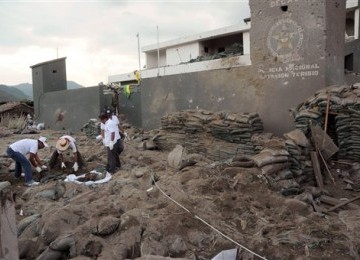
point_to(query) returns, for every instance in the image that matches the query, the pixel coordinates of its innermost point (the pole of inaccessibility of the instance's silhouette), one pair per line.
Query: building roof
(225, 31)
(12, 105)
(47, 62)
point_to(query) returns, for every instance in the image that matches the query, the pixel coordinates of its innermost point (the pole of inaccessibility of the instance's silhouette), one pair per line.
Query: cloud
(99, 37)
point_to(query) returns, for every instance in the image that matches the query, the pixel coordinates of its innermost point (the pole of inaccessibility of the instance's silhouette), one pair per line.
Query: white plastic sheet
(74, 178)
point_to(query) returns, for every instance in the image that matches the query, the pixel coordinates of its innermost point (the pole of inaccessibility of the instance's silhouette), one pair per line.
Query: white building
(179, 55)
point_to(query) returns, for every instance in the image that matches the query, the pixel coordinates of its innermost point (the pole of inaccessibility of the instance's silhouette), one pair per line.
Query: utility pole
(137, 35)
(158, 50)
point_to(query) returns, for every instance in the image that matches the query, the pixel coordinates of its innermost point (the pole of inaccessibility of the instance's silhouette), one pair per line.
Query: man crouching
(63, 144)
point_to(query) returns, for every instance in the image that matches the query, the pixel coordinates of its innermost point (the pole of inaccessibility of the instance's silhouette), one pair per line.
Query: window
(349, 62)
(284, 8)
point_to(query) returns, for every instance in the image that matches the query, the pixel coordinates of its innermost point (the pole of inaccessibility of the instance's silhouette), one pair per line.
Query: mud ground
(132, 217)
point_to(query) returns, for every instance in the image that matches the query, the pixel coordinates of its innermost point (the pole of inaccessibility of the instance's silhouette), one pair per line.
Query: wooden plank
(317, 170)
(326, 118)
(341, 204)
(332, 201)
(327, 168)
(323, 142)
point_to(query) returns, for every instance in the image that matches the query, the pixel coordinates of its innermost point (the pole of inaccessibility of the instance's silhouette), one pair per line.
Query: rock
(175, 157)
(64, 243)
(92, 249)
(47, 194)
(26, 248)
(139, 172)
(50, 254)
(298, 137)
(178, 247)
(153, 247)
(26, 222)
(4, 184)
(107, 225)
(298, 207)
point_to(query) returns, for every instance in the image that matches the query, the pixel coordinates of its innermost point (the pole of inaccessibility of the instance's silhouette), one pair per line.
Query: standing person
(18, 151)
(115, 101)
(64, 143)
(116, 120)
(112, 142)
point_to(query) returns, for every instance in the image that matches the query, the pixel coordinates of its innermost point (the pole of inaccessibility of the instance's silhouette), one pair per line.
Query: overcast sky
(98, 38)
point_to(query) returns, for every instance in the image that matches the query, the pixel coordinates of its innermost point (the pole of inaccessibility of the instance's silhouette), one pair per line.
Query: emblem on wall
(284, 40)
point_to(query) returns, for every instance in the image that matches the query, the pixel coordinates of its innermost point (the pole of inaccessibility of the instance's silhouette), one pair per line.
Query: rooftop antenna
(57, 53)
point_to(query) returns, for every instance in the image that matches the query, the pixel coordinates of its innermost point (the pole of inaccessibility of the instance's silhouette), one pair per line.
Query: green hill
(24, 91)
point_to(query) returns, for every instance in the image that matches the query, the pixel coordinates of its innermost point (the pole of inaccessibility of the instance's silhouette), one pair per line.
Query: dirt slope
(131, 216)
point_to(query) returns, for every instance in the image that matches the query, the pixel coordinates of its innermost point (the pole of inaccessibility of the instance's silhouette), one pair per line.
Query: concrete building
(291, 49)
(52, 98)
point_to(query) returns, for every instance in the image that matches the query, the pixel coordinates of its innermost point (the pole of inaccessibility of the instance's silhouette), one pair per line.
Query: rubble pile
(91, 128)
(231, 51)
(217, 136)
(344, 107)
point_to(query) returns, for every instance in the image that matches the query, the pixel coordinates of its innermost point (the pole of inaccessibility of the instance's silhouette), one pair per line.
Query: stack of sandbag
(274, 161)
(344, 107)
(299, 149)
(236, 128)
(217, 136)
(348, 135)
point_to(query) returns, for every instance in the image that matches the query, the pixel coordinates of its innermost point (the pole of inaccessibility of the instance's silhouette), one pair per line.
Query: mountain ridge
(24, 91)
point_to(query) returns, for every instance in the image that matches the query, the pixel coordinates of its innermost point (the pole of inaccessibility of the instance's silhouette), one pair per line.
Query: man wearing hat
(63, 144)
(18, 151)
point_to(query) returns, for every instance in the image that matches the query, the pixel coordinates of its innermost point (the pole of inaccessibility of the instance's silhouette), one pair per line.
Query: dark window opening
(206, 50)
(350, 24)
(284, 8)
(331, 131)
(331, 128)
(221, 49)
(349, 62)
(54, 71)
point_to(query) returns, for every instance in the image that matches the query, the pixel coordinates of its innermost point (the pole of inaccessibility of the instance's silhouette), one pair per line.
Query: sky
(99, 38)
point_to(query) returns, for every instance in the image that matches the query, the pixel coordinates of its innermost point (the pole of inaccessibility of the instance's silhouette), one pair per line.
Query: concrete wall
(243, 91)
(152, 59)
(79, 106)
(132, 108)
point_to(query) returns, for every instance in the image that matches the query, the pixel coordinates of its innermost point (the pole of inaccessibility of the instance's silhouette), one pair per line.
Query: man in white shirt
(18, 151)
(64, 143)
(116, 120)
(112, 142)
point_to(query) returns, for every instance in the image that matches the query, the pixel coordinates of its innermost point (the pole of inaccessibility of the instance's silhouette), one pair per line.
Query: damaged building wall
(238, 89)
(70, 109)
(297, 48)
